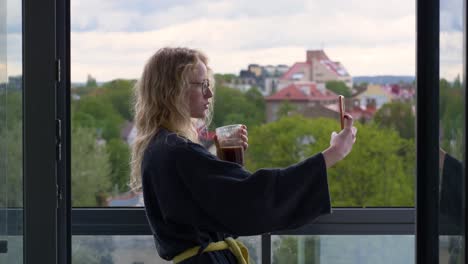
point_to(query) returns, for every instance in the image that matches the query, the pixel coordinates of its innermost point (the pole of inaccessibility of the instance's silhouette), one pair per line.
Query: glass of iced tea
(230, 143)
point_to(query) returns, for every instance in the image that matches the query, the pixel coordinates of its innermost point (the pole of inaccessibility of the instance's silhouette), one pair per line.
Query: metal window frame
(427, 137)
(343, 221)
(39, 170)
(346, 221)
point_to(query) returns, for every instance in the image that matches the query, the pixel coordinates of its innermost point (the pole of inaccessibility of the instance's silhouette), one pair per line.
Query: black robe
(192, 198)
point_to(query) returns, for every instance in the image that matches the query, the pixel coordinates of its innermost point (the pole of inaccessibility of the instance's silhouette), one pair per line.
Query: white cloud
(369, 37)
(3, 73)
(233, 43)
(14, 54)
(13, 14)
(451, 55)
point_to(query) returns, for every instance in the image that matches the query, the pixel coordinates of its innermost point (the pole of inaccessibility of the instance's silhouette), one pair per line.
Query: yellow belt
(236, 247)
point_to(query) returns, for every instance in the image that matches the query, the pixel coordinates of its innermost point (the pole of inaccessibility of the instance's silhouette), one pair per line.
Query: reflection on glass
(256, 74)
(11, 155)
(3, 85)
(341, 249)
(132, 249)
(451, 106)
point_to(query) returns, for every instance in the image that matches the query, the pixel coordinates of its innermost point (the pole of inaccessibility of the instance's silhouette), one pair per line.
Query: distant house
(374, 94)
(265, 78)
(15, 82)
(317, 68)
(127, 132)
(400, 92)
(308, 98)
(381, 94)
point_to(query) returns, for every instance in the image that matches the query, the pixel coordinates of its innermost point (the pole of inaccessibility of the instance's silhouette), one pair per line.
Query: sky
(113, 38)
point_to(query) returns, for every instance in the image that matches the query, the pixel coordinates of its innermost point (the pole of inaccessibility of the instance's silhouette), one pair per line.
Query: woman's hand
(244, 138)
(341, 143)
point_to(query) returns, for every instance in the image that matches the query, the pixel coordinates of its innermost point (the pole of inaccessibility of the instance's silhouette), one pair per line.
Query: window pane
(11, 131)
(276, 63)
(451, 106)
(132, 249)
(339, 249)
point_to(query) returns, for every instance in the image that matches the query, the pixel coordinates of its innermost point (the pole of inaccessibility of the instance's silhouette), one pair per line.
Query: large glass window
(260, 52)
(452, 108)
(340, 249)
(257, 51)
(132, 249)
(11, 133)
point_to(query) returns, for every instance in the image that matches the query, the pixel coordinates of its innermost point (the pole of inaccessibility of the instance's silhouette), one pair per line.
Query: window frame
(422, 222)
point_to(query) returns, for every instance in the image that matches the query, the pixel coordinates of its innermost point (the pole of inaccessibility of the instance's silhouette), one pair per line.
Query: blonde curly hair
(161, 100)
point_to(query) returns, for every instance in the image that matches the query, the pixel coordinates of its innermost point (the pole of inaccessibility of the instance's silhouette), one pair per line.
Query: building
(15, 82)
(265, 78)
(308, 98)
(317, 68)
(381, 94)
(374, 93)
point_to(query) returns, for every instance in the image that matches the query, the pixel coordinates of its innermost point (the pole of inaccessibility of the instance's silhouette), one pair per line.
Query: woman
(196, 203)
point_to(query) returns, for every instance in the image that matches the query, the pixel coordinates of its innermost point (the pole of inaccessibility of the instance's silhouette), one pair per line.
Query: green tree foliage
(451, 109)
(338, 87)
(233, 106)
(378, 172)
(119, 157)
(224, 78)
(102, 111)
(91, 168)
(11, 138)
(119, 93)
(91, 81)
(399, 116)
(99, 113)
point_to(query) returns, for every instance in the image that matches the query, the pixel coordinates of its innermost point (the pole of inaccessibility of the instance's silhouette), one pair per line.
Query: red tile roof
(298, 66)
(302, 92)
(366, 113)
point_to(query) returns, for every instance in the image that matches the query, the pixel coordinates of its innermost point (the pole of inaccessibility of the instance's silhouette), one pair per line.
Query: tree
(451, 108)
(98, 113)
(378, 172)
(119, 158)
(398, 116)
(338, 87)
(232, 106)
(91, 168)
(91, 81)
(224, 78)
(119, 94)
(11, 160)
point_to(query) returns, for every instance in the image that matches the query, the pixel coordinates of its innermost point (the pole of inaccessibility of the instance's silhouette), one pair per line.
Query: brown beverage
(233, 154)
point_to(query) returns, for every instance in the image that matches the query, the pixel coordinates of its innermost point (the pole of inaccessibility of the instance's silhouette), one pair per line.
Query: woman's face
(199, 96)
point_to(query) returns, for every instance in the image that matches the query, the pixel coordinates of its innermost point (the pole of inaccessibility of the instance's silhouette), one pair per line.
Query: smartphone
(341, 107)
